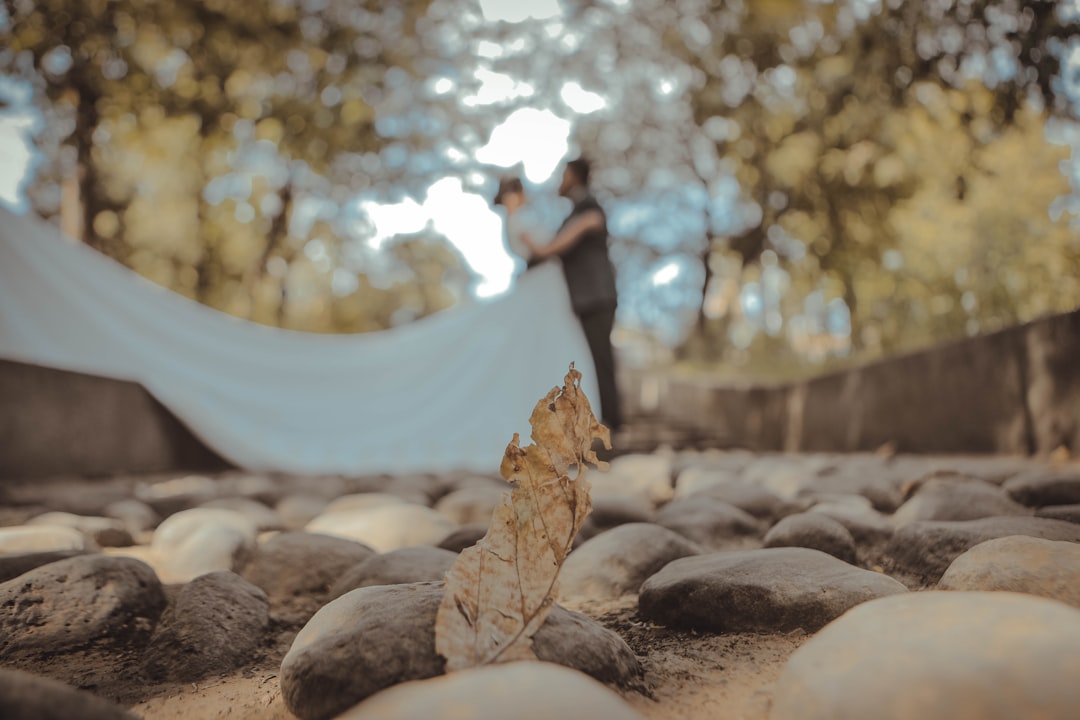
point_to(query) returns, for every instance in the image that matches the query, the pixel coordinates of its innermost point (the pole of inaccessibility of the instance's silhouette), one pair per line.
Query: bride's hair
(508, 185)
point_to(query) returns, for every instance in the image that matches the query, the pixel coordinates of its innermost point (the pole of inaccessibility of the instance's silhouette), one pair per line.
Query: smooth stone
(815, 531)
(867, 526)
(259, 488)
(756, 501)
(41, 538)
(452, 482)
(215, 624)
(12, 565)
(1068, 513)
(375, 637)
(65, 605)
(137, 516)
(1048, 568)
(297, 570)
(471, 505)
(361, 501)
(397, 567)
(636, 475)
(262, 516)
(169, 497)
(926, 549)
(709, 522)
(1038, 489)
(612, 511)
(24, 696)
(519, 690)
(105, 532)
(387, 527)
(938, 656)
(616, 562)
(202, 540)
(296, 511)
(463, 537)
(945, 498)
(770, 590)
(693, 479)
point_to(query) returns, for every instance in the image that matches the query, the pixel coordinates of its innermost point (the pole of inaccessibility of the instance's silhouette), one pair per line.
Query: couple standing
(581, 243)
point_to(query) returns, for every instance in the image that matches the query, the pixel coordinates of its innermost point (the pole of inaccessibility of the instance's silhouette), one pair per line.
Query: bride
(446, 392)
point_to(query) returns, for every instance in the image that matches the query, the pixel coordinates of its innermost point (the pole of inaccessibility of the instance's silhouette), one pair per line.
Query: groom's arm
(569, 236)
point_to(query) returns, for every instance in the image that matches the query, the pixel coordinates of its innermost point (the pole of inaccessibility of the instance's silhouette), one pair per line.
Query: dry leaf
(500, 591)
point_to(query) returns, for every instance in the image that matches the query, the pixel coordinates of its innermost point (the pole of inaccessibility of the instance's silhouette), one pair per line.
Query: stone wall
(54, 422)
(1016, 391)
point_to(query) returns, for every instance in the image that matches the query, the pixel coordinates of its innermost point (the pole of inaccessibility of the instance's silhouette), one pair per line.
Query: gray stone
(260, 515)
(463, 537)
(215, 625)
(1068, 513)
(938, 656)
(103, 531)
(296, 511)
(757, 501)
(616, 562)
(397, 567)
(297, 570)
(473, 504)
(24, 696)
(13, 565)
(1038, 489)
(956, 498)
(925, 549)
(520, 690)
(815, 531)
(707, 521)
(770, 590)
(375, 637)
(201, 540)
(1048, 568)
(867, 526)
(69, 604)
(385, 527)
(612, 511)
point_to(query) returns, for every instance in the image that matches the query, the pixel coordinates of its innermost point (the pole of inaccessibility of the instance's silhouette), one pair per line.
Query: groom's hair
(580, 168)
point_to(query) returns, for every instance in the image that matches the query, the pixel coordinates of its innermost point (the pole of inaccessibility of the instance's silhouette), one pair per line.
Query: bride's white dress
(446, 392)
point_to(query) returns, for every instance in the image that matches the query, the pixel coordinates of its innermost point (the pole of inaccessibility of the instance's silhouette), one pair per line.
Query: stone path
(706, 584)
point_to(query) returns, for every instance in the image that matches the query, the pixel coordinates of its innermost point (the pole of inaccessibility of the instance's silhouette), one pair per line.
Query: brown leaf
(500, 591)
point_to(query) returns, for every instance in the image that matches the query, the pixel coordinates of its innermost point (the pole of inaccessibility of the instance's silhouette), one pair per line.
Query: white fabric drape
(446, 392)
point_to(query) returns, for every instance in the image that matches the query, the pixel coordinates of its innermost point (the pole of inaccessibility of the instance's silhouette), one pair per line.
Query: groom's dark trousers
(590, 278)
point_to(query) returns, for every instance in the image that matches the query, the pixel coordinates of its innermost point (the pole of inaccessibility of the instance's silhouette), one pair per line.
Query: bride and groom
(581, 244)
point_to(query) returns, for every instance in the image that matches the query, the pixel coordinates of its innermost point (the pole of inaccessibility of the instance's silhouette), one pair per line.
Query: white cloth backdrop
(446, 392)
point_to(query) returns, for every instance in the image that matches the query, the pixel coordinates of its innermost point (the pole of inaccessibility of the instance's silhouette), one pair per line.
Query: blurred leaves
(861, 176)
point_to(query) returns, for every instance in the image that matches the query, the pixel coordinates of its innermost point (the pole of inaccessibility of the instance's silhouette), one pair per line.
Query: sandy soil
(688, 676)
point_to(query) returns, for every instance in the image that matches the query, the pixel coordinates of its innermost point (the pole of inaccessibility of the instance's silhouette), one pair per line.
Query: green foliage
(160, 102)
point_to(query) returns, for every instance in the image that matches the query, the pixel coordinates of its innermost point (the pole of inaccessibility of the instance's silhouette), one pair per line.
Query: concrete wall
(1016, 391)
(54, 422)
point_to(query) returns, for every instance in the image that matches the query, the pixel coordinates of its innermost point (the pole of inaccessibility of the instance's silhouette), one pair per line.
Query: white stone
(938, 656)
(520, 690)
(387, 527)
(40, 538)
(201, 540)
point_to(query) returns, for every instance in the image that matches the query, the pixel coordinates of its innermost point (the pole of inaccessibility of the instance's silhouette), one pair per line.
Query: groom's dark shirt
(590, 276)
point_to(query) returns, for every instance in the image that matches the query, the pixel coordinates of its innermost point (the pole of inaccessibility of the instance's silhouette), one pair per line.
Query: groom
(582, 243)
